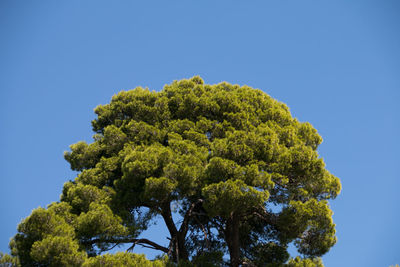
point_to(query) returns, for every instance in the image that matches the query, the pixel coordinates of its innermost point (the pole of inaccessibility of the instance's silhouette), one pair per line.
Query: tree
(8, 260)
(243, 174)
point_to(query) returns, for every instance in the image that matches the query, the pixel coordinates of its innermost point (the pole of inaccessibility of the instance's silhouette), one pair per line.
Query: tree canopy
(244, 176)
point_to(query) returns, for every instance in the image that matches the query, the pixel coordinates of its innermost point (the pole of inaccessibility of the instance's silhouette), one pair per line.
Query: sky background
(336, 64)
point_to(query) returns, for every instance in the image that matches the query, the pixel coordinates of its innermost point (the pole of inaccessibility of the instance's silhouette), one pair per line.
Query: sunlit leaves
(57, 251)
(229, 197)
(122, 259)
(310, 225)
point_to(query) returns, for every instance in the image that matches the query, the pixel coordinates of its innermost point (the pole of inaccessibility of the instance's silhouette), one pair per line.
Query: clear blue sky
(335, 63)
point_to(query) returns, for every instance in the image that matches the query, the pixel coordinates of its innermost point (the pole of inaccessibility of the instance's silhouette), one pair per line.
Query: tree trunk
(178, 251)
(232, 238)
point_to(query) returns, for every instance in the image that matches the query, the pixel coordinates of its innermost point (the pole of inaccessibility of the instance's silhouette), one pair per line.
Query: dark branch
(167, 216)
(185, 224)
(266, 216)
(135, 241)
(151, 244)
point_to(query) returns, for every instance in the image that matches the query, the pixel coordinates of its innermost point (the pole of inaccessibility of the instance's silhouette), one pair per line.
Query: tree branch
(167, 216)
(266, 216)
(150, 244)
(135, 241)
(185, 224)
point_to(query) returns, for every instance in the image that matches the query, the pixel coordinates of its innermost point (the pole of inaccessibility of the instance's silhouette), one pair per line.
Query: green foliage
(299, 262)
(57, 251)
(208, 259)
(122, 259)
(99, 222)
(7, 260)
(269, 254)
(313, 221)
(45, 238)
(226, 198)
(244, 175)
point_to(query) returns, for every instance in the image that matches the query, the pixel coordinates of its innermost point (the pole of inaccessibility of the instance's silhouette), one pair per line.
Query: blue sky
(336, 64)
